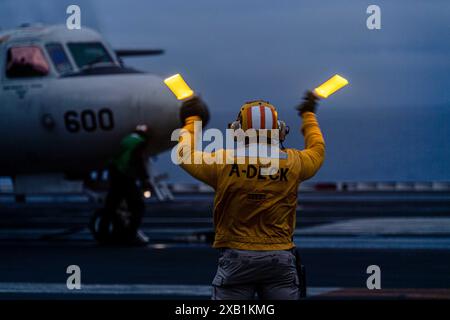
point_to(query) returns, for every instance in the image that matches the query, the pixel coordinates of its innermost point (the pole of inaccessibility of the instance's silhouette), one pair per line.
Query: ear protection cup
(284, 130)
(235, 125)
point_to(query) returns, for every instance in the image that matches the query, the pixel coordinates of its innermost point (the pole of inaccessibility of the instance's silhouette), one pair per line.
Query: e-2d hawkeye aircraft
(66, 101)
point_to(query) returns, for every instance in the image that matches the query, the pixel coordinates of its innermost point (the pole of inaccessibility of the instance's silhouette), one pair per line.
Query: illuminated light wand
(179, 87)
(330, 86)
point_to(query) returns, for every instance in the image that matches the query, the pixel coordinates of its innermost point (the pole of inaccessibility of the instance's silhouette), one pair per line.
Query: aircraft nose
(160, 110)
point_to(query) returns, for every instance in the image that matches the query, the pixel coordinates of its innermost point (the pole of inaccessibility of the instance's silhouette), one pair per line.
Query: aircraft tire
(107, 230)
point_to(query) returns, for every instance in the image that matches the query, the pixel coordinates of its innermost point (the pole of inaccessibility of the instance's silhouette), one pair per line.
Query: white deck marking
(125, 289)
(361, 242)
(383, 226)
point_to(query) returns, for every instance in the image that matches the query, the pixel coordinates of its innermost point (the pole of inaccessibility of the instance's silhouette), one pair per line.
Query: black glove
(309, 103)
(195, 107)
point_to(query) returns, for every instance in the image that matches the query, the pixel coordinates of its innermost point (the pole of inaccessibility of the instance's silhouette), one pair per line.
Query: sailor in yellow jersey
(255, 213)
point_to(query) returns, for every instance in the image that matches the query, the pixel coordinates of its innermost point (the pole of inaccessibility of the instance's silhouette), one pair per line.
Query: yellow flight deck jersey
(254, 211)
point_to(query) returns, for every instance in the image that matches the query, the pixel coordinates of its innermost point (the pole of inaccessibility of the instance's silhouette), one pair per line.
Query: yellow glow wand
(330, 86)
(179, 87)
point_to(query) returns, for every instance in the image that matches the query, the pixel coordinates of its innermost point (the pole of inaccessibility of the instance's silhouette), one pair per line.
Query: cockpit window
(87, 54)
(59, 57)
(26, 61)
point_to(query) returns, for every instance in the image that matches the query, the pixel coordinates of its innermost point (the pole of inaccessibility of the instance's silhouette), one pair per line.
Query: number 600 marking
(88, 120)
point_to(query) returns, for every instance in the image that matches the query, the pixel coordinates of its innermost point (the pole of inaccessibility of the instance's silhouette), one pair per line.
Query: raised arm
(312, 156)
(193, 161)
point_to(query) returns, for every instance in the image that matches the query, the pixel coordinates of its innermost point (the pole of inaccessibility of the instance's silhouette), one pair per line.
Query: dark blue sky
(391, 123)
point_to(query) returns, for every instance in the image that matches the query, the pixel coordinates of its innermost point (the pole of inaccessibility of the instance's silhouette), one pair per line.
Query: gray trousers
(243, 274)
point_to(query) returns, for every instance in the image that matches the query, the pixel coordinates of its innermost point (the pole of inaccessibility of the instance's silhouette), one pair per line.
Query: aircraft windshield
(87, 54)
(23, 62)
(59, 57)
